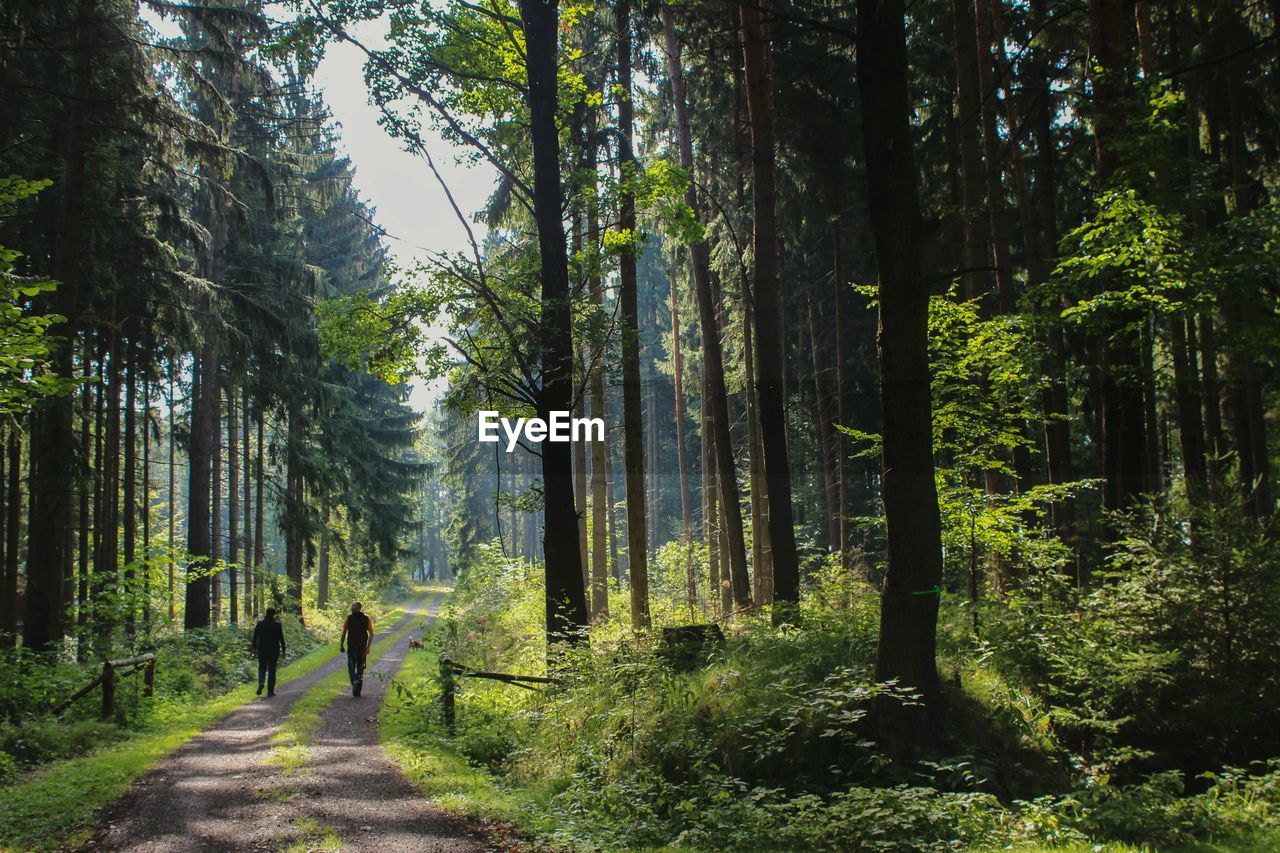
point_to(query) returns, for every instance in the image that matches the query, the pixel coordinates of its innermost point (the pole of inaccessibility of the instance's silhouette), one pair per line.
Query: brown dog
(414, 644)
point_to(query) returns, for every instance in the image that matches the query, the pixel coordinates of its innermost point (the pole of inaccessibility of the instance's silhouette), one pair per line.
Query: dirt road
(220, 792)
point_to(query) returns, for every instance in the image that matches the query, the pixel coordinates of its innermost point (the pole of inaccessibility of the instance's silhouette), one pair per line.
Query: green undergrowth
(53, 804)
(764, 743)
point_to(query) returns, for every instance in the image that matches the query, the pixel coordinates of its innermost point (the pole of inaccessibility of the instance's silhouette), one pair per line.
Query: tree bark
(682, 458)
(632, 414)
(13, 532)
(129, 483)
(566, 606)
(52, 441)
(249, 610)
(200, 459)
(826, 441)
(909, 603)
(600, 511)
(233, 506)
(259, 505)
(973, 276)
(712, 352)
(770, 354)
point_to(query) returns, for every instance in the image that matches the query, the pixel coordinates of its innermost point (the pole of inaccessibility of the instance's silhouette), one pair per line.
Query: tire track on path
(355, 793)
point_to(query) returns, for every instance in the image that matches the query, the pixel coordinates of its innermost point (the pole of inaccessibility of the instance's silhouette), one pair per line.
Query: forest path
(221, 791)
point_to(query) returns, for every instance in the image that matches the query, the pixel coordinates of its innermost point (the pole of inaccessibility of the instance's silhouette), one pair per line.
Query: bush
(1169, 663)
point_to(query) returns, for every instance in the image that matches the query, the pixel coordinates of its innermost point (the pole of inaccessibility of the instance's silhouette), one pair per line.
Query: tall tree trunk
(826, 442)
(52, 441)
(712, 353)
(973, 237)
(249, 610)
(295, 525)
(1124, 434)
(129, 482)
(682, 451)
(710, 502)
(566, 606)
(322, 570)
(204, 412)
(145, 592)
(909, 602)
(580, 503)
(601, 525)
(173, 499)
(215, 507)
(770, 354)
(87, 489)
(259, 506)
(106, 565)
(841, 449)
(233, 505)
(632, 414)
(13, 532)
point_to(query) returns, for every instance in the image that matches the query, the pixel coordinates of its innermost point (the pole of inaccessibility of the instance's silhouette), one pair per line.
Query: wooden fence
(107, 680)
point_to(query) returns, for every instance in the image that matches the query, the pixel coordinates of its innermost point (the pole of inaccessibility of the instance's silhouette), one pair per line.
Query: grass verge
(55, 803)
(439, 772)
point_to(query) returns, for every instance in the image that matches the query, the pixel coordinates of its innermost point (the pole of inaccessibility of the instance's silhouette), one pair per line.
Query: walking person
(357, 637)
(268, 647)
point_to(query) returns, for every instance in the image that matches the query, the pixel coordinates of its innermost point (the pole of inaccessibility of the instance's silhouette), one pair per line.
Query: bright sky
(410, 204)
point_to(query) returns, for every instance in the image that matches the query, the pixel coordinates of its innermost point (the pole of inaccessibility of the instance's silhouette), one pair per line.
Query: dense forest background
(936, 346)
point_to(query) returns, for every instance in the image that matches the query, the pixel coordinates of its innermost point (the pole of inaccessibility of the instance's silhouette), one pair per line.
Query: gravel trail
(217, 793)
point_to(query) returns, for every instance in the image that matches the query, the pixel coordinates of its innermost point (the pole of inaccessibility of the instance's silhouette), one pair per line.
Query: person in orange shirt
(357, 637)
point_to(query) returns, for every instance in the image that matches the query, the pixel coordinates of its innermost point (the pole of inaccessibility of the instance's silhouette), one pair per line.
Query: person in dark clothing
(268, 646)
(357, 637)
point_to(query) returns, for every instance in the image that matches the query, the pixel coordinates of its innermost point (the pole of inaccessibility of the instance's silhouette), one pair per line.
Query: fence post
(446, 694)
(149, 678)
(108, 690)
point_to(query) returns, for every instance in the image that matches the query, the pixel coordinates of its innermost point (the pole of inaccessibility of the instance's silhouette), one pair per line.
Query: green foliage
(1143, 254)
(1169, 661)
(24, 333)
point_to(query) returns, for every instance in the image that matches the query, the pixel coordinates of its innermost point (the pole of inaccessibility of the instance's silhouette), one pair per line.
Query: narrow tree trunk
(632, 414)
(909, 603)
(87, 488)
(295, 533)
(716, 395)
(322, 579)
(233, 505)
(13, 533)
(145, 592)
(173, 500)
(200, 459)
(682, 457)
(770, 354)
(129, 482)
(566, 607)
(601, 526)
(580, 502)
(249, 610)
(106, 566)
(973, 236)
(710, 503)
(826, 441)
(215, 506)
(259, 542)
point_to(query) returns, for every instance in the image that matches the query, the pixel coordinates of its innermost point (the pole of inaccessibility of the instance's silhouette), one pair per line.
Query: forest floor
(300, 771)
